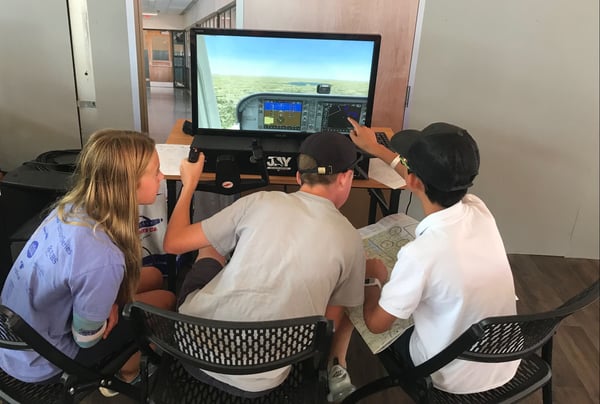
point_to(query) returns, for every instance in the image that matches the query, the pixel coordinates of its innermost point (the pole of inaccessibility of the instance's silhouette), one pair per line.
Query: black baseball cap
(442, 155)
(333, 152)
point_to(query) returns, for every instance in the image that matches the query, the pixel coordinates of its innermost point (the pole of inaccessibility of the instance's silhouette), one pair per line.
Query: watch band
(399, 160)
(395, 161)
(372, 282)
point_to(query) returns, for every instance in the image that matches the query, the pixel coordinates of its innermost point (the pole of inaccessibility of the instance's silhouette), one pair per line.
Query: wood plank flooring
(542, 283)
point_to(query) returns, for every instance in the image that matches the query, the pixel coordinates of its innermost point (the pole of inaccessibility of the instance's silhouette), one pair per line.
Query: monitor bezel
(374, 38)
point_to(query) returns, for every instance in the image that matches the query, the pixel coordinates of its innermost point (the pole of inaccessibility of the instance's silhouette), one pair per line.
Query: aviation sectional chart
(383, 240)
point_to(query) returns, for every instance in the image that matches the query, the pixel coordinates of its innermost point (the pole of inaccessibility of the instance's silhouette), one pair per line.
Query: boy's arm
(364, 138)
(181, 235)
(377, 319)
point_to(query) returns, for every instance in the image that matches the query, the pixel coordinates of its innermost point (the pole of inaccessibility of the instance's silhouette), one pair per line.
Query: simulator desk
(375, 188)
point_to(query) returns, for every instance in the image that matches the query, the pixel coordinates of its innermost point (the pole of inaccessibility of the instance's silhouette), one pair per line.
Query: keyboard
(383, 139)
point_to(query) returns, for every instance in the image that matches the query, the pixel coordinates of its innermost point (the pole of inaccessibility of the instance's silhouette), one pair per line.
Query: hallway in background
(165, 106)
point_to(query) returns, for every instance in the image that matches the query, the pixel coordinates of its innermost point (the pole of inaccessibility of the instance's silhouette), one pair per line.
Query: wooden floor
(542, 283)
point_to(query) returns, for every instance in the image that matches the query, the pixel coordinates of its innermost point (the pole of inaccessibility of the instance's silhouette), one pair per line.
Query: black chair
(494, 339)
(76, 381)
(235, 348)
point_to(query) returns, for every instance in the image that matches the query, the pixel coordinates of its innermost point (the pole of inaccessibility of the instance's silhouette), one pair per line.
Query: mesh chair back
(495, 339)
(76, 380)
(8, 339)
(513, 337)
(17, 334)
(232, 347)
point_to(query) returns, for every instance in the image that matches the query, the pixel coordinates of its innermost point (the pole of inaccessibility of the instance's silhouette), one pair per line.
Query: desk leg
(394, 201)
(372, 207)
(378, 199)
(171, 258)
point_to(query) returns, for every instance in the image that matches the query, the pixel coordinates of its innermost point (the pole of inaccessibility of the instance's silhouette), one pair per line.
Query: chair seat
(30, 392)
(532, 374)
(174, 385)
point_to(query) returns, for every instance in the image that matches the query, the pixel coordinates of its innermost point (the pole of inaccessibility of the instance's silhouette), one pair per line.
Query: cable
(408, 204)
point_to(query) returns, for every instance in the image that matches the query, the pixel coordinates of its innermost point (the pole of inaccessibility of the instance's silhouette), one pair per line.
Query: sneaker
(106, 392)
(339, 382)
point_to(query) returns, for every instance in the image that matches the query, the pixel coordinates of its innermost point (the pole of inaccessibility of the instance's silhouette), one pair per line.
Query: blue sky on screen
(290, 57)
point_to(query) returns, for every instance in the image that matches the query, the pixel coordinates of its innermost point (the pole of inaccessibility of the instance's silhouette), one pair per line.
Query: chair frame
(315, 355)
(76, 380)
(480, 343)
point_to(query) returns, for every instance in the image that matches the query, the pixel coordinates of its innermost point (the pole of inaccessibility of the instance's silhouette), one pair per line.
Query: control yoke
(227, 173)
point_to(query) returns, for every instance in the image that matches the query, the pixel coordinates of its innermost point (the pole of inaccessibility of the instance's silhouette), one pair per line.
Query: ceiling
(163, 7)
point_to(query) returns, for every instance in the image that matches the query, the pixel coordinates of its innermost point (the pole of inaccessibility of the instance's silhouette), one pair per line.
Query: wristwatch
(372, 282)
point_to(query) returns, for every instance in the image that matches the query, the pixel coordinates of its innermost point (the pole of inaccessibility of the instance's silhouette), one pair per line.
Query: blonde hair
(108, 172)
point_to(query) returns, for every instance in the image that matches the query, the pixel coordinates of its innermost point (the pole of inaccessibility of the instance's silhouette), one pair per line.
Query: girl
(83, 263)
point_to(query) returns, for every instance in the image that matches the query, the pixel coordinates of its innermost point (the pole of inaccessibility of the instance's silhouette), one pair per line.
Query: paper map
(383, 240)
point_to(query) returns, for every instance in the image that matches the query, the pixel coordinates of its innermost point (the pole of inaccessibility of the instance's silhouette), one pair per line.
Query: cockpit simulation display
(281, 83)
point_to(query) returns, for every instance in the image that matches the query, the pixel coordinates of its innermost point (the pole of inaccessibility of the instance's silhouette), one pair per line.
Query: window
(223, 18)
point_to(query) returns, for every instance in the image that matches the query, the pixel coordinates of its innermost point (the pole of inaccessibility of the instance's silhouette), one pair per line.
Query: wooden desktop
(177, 136)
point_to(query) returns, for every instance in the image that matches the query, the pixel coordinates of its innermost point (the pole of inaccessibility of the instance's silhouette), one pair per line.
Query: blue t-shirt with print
(63, 270)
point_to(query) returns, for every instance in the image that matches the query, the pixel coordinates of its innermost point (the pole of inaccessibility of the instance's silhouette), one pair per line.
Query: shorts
(201, 272)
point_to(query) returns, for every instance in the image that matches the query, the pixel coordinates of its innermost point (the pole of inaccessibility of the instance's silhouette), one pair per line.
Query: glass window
(224, 18)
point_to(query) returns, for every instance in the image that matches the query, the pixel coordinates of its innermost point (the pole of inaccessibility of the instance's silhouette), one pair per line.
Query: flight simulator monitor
(281, 84)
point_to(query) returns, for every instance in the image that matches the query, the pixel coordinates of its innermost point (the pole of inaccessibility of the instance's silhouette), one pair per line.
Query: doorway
(158, 58)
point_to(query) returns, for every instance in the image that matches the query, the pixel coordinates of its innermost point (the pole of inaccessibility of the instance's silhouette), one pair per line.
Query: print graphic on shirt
(51, 254)
(63, 241)
(148, 224)
(32, 249)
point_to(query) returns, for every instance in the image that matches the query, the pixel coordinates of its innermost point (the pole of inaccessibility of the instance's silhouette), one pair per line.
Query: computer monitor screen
(281, 83)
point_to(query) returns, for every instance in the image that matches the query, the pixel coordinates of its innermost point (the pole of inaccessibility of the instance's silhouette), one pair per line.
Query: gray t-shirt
(294, 254)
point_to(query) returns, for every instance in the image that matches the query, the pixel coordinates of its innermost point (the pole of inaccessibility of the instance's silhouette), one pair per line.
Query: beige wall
(522, 77)
(393, 19)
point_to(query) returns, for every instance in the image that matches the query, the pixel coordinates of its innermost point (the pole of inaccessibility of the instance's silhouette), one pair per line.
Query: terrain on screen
(229, 90)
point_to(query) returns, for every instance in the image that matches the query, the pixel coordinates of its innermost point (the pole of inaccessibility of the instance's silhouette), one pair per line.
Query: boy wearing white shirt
(455, 272)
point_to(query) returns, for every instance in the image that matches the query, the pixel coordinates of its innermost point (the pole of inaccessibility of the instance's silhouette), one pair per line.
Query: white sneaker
(339, 382)
(106, 392)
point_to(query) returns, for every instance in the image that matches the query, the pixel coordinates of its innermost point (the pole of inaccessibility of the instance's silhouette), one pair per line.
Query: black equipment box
(25, 194)
(280, 154)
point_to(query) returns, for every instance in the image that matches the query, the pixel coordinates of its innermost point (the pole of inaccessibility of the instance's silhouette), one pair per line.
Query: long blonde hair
(105, 189)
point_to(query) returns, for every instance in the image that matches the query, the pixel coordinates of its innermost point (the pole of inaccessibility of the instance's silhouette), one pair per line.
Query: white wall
(38, 105)
(116, 90)
(522, 77)
(38, 109)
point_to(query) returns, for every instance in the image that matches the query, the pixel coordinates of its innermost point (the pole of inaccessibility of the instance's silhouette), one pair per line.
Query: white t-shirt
(294, 255)
(455, 273)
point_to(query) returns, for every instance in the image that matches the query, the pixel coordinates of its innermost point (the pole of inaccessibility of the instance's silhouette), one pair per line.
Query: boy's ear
(298, 179)
(343, 178)
(414, 182)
